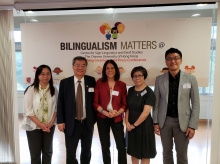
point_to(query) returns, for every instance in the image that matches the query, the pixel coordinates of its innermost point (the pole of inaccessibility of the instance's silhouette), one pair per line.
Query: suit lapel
(106, 86)
(116, 88)
(86, 83)
(182, 77)
(72, 89)
(166, 85)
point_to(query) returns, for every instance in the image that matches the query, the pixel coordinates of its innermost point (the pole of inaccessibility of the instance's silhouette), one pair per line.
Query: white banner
(129, 43)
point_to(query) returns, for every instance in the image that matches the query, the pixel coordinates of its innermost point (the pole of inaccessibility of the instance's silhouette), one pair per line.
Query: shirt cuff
(192, 128)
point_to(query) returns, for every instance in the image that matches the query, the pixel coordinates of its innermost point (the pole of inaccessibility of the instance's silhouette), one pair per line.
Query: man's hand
(61, 127)
(190, 133)
(157, 129)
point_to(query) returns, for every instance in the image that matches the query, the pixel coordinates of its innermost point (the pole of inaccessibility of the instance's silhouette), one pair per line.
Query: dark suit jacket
(66, 107)
(102, 97)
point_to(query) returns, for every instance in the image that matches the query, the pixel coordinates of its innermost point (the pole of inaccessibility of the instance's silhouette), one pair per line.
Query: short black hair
(79, 58)
(141, 69)
(117, 73)
(114, 28)
(173, 50)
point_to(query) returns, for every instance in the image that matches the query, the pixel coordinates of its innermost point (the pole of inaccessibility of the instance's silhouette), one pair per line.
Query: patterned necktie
(79, 102)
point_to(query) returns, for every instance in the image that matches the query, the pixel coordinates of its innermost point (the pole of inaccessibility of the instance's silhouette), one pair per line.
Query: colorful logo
(121, 70)
(109, 32)
(190, 70)
(98, 70)
(57, 70)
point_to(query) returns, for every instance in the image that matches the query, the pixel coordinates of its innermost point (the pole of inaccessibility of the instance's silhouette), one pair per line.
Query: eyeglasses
(171, 59)
(78, 66)
(137, 76)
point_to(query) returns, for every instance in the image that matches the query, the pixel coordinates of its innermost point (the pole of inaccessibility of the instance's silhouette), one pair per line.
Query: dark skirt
(141, 140)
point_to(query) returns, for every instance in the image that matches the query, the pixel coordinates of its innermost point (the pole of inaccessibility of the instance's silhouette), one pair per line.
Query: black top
(172, 108)
(136, 101)
(141, 140)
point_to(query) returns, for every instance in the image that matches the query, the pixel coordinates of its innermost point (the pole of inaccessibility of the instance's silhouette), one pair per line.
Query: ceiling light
(34, 20)
(200, 5)
(109, 9)
(195, 15)
(29, 12)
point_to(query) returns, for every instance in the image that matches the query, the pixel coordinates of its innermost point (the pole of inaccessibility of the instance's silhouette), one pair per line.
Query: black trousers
(40, 143)
(104, 126)
(80, 132)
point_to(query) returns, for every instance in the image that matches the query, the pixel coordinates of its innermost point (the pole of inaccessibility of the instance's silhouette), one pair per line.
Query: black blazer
(66, 107)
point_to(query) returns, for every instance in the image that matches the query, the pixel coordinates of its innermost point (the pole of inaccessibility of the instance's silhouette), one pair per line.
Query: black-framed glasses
(137, 76)
(171, 59)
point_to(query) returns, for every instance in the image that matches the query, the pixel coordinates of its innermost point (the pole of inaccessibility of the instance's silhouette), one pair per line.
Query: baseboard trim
(205, 120)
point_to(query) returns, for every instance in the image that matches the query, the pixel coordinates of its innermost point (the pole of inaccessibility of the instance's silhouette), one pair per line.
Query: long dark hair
(36, 80)
(117, 73)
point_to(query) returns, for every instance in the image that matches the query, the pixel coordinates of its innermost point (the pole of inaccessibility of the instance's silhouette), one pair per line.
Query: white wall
(205, 105)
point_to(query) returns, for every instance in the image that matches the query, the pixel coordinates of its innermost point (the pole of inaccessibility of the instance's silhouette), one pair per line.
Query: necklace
(111, 86)
(139, 91)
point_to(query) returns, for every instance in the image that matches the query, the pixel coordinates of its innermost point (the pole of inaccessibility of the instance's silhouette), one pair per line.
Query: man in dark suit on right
(75, 113)
(176, 110)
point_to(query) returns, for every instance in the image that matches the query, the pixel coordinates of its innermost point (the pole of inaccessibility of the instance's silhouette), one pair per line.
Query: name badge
(91, 89)
(186, 85)
(143, 93)
(115, 93)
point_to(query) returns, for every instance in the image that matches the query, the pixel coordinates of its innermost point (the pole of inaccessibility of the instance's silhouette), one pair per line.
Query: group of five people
(82, 102)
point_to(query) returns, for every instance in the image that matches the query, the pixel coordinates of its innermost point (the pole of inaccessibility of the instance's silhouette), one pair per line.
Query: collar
(76, 80)
(176, 77)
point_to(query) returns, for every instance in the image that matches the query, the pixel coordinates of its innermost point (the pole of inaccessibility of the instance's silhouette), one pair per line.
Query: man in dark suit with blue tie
(75, 114)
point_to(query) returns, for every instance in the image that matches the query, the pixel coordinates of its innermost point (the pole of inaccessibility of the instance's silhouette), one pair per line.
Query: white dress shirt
(31, 105)
(83, 93)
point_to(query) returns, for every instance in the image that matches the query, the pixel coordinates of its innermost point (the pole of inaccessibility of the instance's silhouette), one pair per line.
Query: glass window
(18, 56)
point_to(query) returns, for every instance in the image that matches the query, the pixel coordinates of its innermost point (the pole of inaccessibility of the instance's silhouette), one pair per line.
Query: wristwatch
(102, 111)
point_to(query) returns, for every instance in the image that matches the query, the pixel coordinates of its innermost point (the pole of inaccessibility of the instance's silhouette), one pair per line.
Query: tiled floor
(197, 153)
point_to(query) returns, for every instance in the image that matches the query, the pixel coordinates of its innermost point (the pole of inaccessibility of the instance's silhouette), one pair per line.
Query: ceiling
(53, 4)
(141, 9)
(142, 13)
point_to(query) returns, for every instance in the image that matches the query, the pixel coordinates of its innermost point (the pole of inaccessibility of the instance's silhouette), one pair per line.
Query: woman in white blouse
(39, 115)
